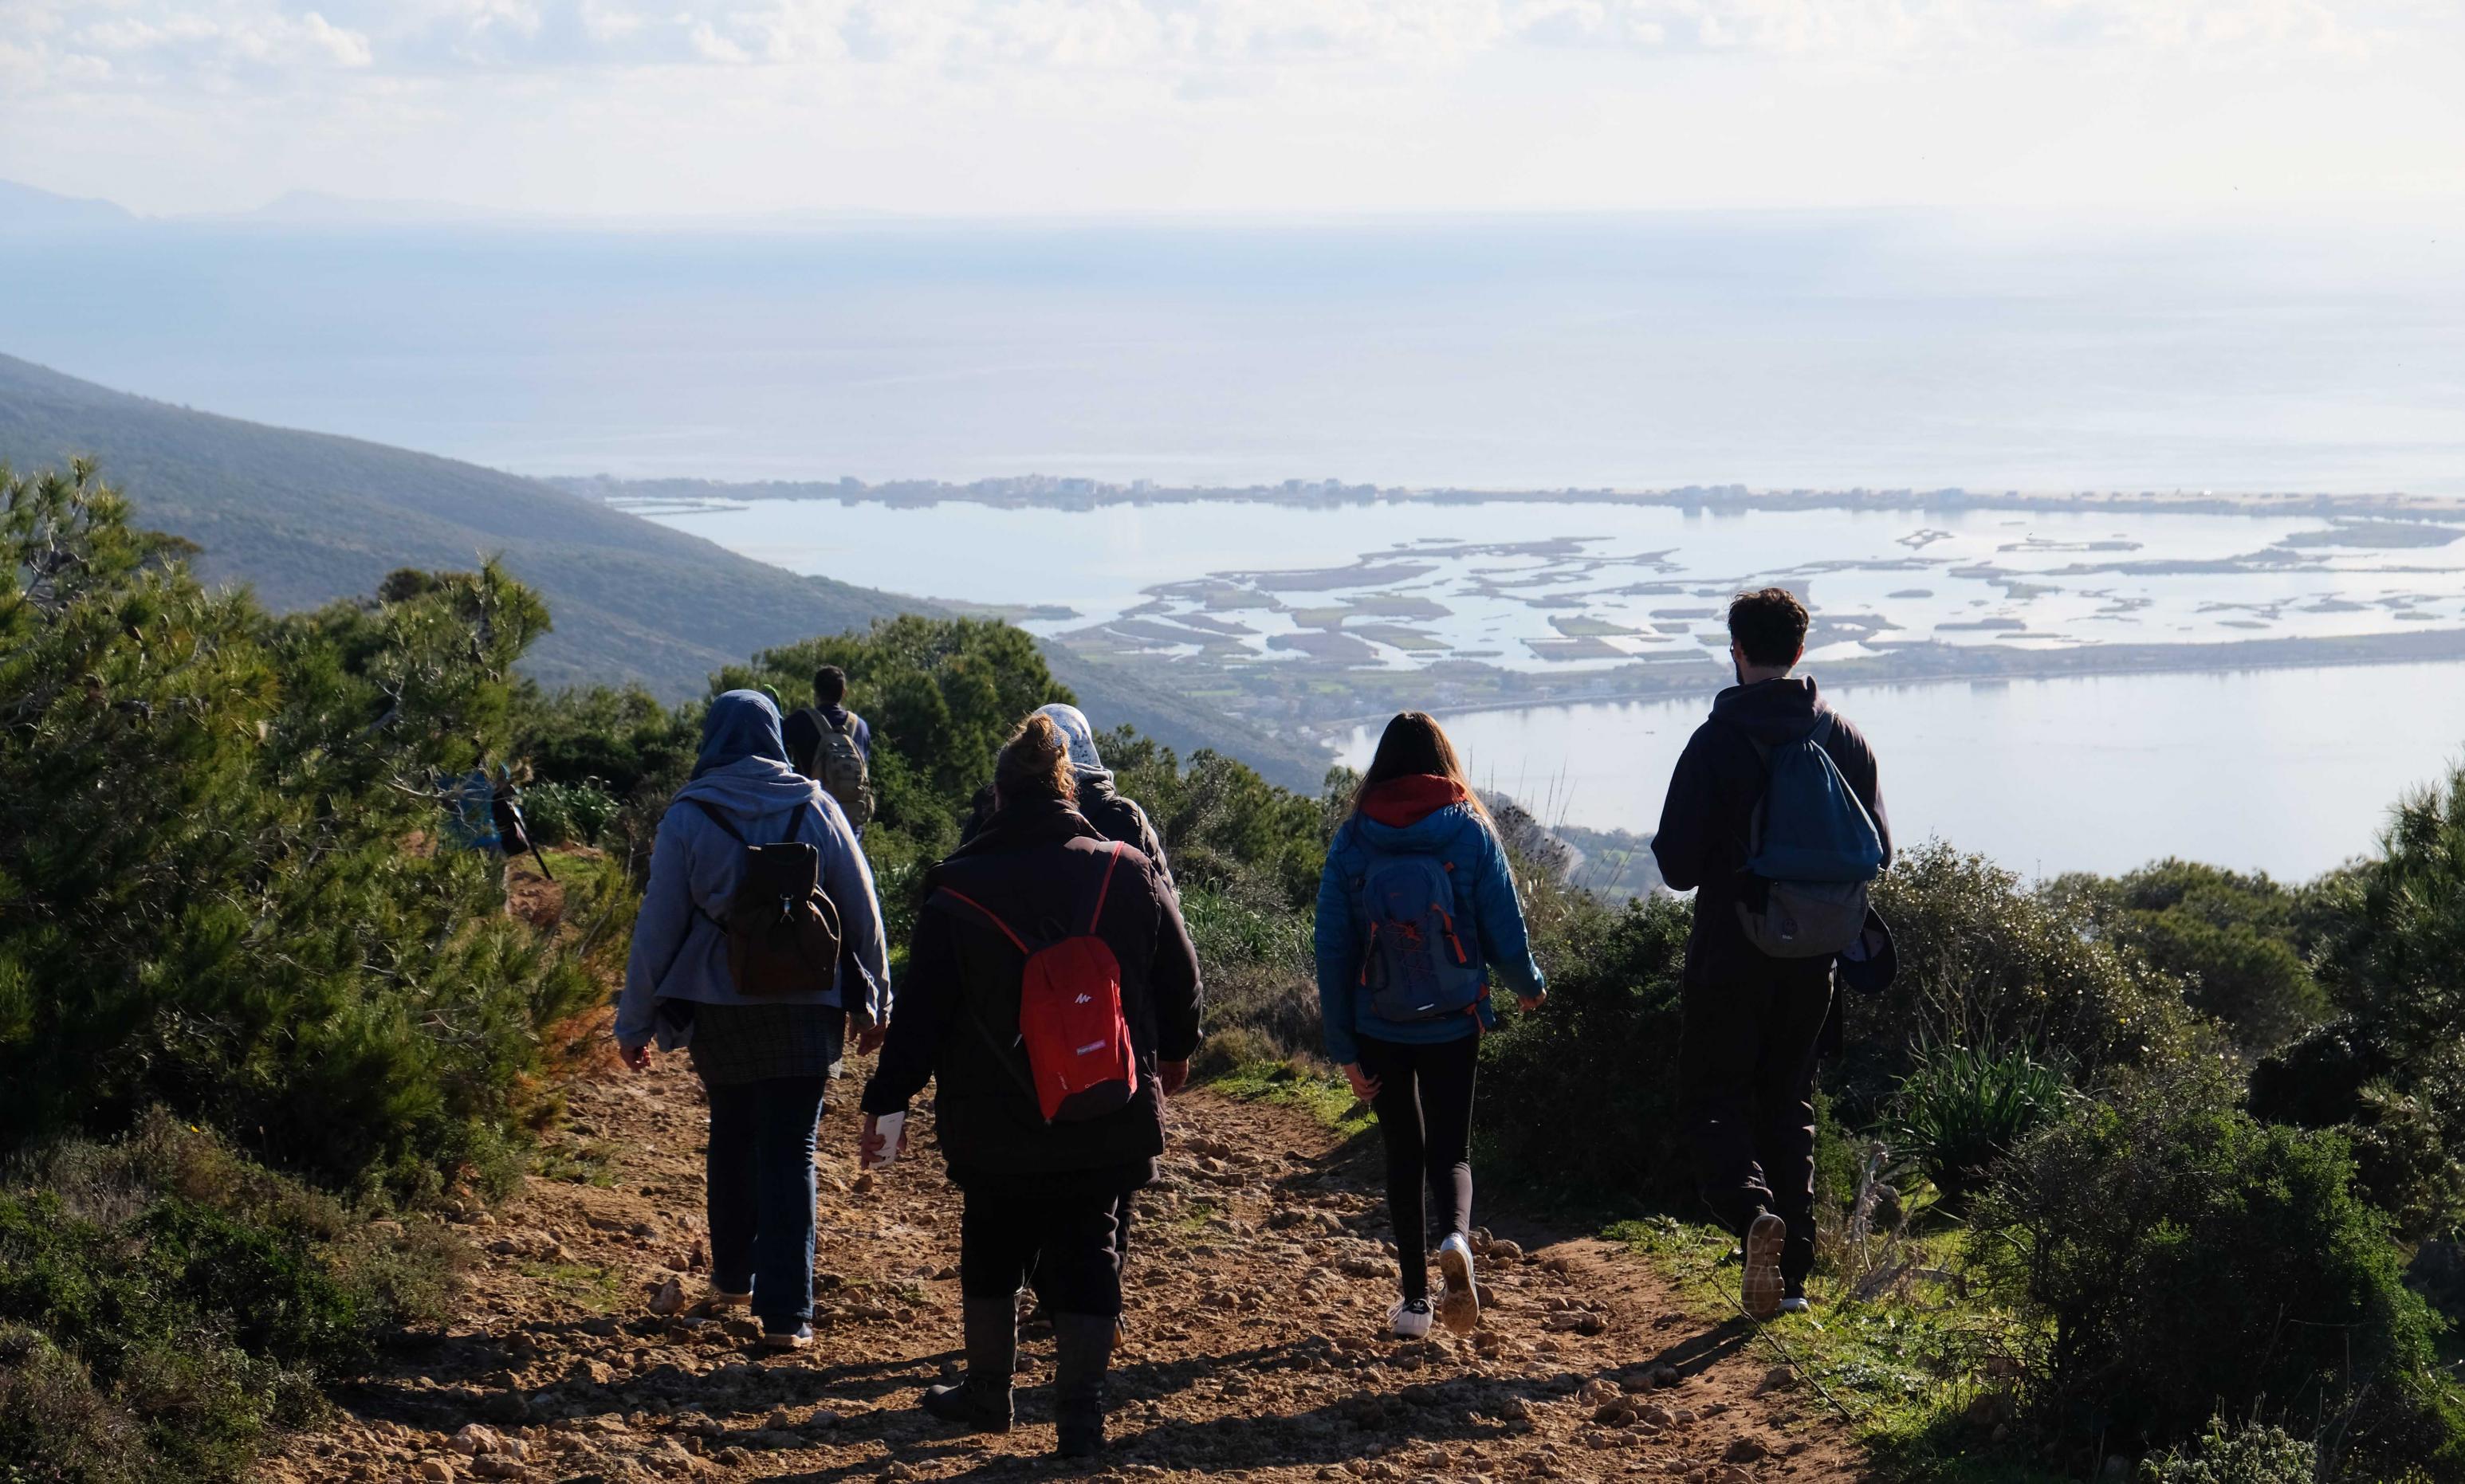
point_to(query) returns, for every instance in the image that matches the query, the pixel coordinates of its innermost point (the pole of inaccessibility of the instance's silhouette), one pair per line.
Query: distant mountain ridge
(28, 209)
(306, 517)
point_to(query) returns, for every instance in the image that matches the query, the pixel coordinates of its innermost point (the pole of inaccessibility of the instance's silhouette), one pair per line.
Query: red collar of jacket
(1408, 800)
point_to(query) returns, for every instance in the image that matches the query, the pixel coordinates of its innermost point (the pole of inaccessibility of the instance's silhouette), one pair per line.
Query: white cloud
(1010, 104)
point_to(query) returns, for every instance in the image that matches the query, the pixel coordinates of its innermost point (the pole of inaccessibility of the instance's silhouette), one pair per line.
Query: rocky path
(1258, 1285)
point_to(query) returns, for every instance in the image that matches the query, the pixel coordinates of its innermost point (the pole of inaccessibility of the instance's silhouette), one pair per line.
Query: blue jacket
(1484, 896)
(682, 954)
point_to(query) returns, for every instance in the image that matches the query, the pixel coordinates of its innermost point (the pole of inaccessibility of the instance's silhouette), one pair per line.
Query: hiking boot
(1082, 1350)
(1409, 1319)
(981, 1402)
(799, 1337)
(1795, 1303)
(1459, 1304)
(1763, 1285)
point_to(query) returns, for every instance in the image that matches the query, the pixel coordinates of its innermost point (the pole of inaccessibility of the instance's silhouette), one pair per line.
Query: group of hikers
(1052, 997)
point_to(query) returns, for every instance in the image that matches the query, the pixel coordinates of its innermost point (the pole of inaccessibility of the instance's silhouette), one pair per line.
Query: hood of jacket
(1400, 803)
(753, 788)
(1771, 712)
(1078, 734)
(1431, 829)
(740, 724)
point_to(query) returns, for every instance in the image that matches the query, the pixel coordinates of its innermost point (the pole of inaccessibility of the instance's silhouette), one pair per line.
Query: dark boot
(1082, 1347)
(981, 1402)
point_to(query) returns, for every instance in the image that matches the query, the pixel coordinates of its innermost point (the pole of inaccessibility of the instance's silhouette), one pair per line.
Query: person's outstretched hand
(638, 1058)
(1172, 1077)
(1528, 1003)
(1364, 1086)
(869, 1040)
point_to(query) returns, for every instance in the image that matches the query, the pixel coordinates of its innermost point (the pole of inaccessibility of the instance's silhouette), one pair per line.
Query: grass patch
(1908, 1363)
(1323, 1095)
(576, 1163)
(584, 1285)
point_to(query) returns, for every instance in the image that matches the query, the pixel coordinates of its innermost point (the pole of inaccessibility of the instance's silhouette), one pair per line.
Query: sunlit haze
(605, 108)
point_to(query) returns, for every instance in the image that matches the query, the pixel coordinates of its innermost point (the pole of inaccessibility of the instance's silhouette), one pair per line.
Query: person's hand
(869, 1040)
(1364, 1086)
(638, 1058)
(1172, 1077)
(1528, 1003)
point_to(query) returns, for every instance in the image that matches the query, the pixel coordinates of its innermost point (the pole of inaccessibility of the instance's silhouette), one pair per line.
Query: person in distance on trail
(735, 961)
(1416, 906)
(1115, 814)
(1052, 996)
(1775, 819)
(833, 747)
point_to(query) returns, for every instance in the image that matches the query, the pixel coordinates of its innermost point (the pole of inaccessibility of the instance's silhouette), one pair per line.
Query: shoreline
(2401, 649)
(1042, 492)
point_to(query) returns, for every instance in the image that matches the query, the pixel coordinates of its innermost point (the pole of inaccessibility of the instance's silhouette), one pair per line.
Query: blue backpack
(1415, 962)
(1812, 849)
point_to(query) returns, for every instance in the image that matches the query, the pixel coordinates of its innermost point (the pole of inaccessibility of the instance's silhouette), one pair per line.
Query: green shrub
(2182, 1256)
(1583, 1096)
(2389, 1071)
(209, 892)
(1986, 961)
(2248, 1452)
(2240, 946)
(1963, 1110)
(163, 1302)
(567, 814)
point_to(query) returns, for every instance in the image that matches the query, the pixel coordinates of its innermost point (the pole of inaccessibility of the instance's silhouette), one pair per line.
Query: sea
(1888, 351)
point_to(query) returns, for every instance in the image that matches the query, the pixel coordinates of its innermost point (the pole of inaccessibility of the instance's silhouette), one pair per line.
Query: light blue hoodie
(680, 953)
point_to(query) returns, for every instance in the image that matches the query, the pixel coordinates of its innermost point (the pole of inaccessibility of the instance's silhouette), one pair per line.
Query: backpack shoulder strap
(1104, 888)
(846, 728)
(720, 818)
(991, 916)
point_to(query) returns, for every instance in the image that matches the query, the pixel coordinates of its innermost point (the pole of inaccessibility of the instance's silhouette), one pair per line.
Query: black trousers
(1424, 1108)
(1066, 1241)
(1745, 1090)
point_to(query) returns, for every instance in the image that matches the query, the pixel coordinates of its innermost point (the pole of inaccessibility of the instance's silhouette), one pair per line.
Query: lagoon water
(2287, 771)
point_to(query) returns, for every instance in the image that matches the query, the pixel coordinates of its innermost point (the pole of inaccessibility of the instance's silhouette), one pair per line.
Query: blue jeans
(762, 1192)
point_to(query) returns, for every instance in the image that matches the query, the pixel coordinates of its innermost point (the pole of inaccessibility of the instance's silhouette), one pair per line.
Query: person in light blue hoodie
(1416, 907)
(765, 1062)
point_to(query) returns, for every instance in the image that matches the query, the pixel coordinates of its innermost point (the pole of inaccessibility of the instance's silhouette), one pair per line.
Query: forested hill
(307, 518)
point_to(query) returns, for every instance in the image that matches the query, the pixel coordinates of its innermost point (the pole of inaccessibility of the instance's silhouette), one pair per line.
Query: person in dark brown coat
(1045, 1202)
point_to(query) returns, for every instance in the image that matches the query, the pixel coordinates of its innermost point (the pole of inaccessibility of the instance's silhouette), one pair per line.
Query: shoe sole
(1461, 1308)
(1762, 1288)
(787, 1343)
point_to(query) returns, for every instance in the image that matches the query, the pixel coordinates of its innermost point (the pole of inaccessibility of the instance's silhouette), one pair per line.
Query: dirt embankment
(1258, 1284)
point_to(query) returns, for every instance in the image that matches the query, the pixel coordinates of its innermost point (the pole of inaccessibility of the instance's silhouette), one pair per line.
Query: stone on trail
(474, 1438)
(670, 1299)
(436, 1471)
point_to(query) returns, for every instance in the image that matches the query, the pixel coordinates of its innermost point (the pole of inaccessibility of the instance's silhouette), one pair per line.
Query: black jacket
(1701, 843)
(1115, 814)
(957, 1022)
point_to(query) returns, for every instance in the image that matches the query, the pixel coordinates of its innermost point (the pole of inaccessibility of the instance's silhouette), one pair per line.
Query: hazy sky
(639, 107)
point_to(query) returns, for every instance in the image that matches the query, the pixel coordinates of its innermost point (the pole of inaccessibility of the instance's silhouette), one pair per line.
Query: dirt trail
(1257, 1289)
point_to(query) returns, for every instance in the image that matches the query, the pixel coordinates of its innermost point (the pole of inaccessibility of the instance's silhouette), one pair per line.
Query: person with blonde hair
(1416, 907)
(1053, 998)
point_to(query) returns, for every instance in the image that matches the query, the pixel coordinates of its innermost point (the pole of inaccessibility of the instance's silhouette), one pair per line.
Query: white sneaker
(1461, 1304)
(1796, 1304)
(1409, 1319)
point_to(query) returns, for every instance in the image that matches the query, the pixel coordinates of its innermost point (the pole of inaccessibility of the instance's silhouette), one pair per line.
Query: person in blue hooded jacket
(765, 1062)
(1416, 907)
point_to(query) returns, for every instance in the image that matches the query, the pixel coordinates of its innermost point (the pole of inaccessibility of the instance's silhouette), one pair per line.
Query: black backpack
(783, 930)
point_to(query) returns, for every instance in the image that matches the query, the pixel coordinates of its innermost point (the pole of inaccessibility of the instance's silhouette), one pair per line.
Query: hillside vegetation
(307, 519)
(2160, 1173)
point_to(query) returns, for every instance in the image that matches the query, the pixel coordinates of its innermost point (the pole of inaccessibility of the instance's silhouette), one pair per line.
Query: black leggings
(1424, 1108)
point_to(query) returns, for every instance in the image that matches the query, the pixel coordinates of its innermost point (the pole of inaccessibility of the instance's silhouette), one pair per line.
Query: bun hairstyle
(1034, 764)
